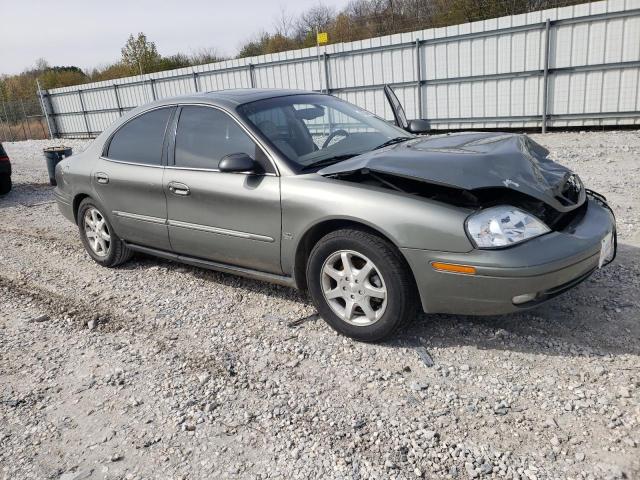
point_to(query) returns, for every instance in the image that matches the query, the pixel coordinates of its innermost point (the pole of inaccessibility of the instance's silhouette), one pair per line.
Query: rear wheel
(361, 285)
(98, 238)
(5, 184)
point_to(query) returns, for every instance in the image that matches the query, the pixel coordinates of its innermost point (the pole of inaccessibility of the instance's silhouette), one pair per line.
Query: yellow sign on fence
(323, 37)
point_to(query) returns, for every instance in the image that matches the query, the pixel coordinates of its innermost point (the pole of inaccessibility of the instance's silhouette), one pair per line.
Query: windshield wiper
(393, 141)
(328, 161)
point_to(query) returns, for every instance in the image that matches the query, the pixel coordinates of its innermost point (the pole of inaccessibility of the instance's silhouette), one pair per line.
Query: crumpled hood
(473, 161)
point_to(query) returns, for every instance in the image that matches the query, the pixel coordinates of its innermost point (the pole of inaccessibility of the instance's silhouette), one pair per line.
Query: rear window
(141, 140)
(2, 152)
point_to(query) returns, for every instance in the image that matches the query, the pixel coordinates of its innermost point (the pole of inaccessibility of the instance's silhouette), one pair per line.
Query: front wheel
(361, 285)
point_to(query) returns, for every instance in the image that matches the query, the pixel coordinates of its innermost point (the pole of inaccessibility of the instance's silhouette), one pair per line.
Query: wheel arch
(77, 199)
(315, 232)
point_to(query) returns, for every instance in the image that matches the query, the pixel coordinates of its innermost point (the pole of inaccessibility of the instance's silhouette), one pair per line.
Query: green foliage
(279, 43)
(109, 72)
(178, 60)
(62, 77)
(140, 55)
(204, 56)
(23, 86)
(254, 47)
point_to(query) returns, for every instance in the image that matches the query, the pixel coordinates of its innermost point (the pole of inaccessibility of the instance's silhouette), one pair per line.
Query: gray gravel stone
(196, 374)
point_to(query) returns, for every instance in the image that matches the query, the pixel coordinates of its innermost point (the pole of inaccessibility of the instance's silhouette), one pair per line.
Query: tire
(389, 274)
(108, 250)
(5, 184)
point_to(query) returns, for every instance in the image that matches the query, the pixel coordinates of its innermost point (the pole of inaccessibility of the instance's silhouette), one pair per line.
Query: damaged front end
(472, 199)
(475, 171)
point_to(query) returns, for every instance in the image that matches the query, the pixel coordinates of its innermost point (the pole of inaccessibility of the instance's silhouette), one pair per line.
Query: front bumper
(547, 266)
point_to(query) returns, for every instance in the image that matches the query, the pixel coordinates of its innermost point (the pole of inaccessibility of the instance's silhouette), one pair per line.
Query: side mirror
(237, 162)
(418, 126)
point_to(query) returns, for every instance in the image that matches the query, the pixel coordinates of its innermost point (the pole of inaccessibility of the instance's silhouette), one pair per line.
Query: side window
(141, 140)
(205, 135)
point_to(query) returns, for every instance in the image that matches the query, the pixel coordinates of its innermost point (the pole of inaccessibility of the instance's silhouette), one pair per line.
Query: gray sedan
(306, 190)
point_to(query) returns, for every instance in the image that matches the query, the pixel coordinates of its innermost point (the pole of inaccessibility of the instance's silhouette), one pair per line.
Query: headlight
(503, 226)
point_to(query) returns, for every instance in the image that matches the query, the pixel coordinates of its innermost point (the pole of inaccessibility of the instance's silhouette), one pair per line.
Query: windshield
(310, 130)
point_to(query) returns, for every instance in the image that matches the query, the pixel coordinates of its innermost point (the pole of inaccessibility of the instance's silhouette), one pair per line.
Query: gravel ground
(159, 370)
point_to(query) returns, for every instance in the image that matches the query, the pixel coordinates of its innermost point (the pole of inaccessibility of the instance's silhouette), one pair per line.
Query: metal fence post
(117, 95)
(153, 88)
(44, 109)
(84, 113)
(15, 115)
(545, 81)
(6, 118)
(195, 81)
(326, 72)
(3, 130)
(24, 130)
(252, 79)
(26, 119)
(44, 132)
(419, 78)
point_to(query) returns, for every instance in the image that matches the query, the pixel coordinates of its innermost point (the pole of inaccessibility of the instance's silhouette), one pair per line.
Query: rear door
(128, 179)
(231, 218)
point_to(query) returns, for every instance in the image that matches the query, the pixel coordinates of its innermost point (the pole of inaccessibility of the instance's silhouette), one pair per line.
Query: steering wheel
(334, 134)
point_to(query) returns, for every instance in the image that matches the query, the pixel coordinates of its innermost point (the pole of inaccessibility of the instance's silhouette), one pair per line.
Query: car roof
(234, 97)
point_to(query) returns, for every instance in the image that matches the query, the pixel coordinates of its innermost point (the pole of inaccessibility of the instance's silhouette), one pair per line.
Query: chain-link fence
(22, 120)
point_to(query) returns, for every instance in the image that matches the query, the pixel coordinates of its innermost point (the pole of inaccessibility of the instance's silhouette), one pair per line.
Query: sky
(89, 33)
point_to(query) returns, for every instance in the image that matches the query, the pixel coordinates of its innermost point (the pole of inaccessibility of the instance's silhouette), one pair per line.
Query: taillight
(4, 158)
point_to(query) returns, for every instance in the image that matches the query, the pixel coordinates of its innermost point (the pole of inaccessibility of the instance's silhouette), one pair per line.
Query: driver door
(231, 218)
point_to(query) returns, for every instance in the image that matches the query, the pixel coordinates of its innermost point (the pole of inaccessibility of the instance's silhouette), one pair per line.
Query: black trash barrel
(54, 155)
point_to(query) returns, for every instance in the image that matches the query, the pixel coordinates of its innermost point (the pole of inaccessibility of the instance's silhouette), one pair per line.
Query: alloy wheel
(353, 287)
(97, 232)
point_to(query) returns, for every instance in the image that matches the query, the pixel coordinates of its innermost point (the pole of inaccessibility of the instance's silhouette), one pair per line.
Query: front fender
(407, 221)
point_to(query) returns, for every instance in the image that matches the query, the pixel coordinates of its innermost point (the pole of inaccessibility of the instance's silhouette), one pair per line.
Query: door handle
(179, 189)
(102, 178)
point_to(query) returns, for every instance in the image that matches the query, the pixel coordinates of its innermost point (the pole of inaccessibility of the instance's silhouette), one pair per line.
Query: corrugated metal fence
(571, 66)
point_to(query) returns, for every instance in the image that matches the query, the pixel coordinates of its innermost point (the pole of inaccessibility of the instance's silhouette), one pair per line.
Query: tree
(42, 65)
(55, 77)
(279, 43)
(205, 55)
(140, 55)
(283, 23)
(319, 17)
(342, 30)
(109, 72)
(255, 47)
(178, 60)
